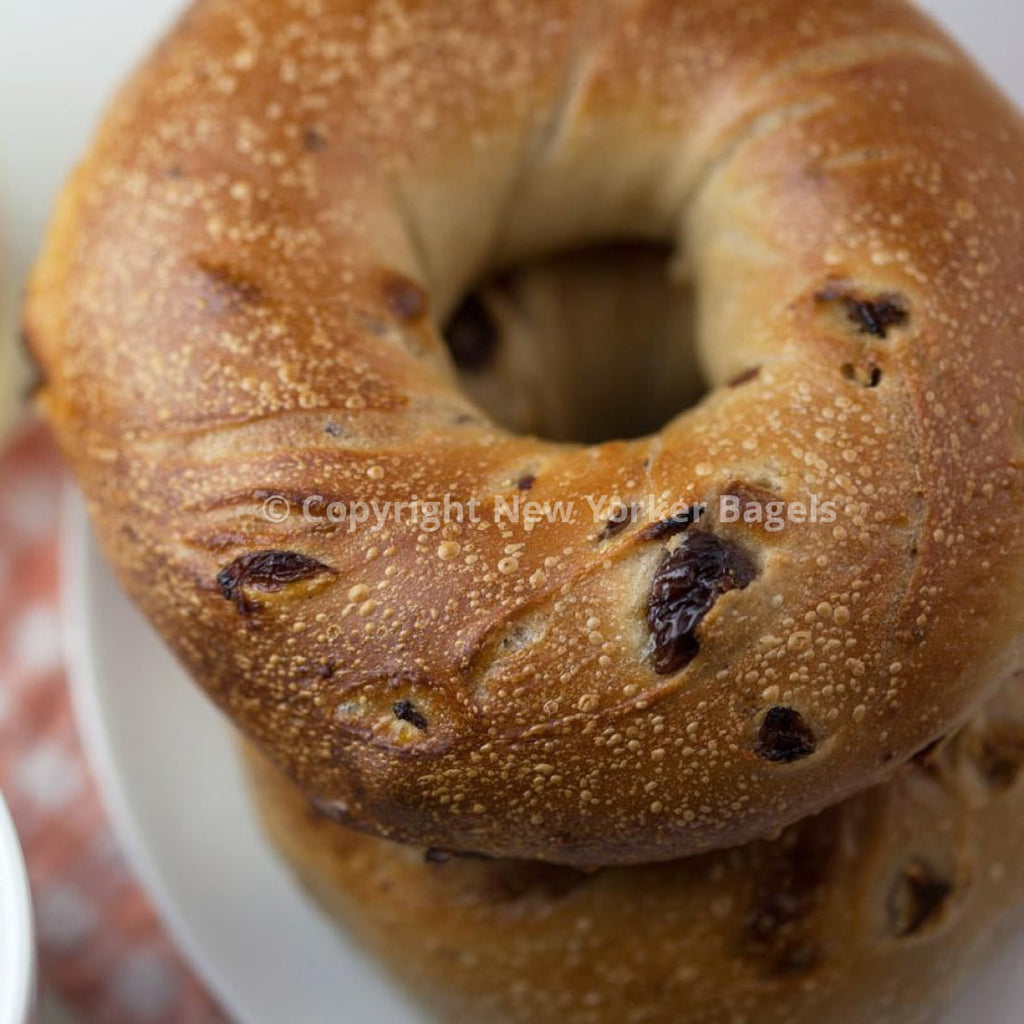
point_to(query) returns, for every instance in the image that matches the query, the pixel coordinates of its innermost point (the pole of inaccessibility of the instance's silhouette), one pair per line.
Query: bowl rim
(17, 932)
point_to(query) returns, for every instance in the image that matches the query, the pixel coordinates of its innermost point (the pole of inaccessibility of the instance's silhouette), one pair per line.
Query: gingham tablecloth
(102, 951)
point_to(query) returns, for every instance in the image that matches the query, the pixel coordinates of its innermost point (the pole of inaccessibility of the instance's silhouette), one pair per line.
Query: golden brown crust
(875, 911)
(240, 296)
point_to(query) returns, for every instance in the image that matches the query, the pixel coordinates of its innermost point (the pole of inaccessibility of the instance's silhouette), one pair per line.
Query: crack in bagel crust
(251, 304)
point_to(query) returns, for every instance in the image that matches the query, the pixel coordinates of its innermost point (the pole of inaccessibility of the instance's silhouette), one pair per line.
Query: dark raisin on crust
(267, 571)
(526, 481)
(620, 521)
(752, 499)
(916, 899)
(406, 711)
(225, 289)
(613, 528)
(677, 523)
(314, 141)
(472, 335)
(876, 316)
(785, 737)
(404, 298)
(686, 586)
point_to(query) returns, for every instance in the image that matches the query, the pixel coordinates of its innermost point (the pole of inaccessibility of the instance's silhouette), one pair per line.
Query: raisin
(621, 520)
(877, 317)
(674, 524)
(406, 711)
(871, 316)
(785, 736)
(472, 335)
(917, 898)
(405, 298)
(686, 586)
(314, 141)
(268, 571)
(225, 289)
(526, 482)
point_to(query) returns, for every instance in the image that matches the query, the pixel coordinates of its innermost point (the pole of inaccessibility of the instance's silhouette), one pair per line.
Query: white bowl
(17, 948)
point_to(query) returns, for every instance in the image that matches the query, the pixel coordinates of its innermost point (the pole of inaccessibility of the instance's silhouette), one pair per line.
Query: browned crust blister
(240, 298)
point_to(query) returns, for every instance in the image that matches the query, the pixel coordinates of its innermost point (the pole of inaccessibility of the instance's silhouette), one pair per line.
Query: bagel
(875, 911)
(240, 302)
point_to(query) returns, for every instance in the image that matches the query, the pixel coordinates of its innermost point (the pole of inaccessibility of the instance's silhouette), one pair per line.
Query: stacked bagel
(667, 766)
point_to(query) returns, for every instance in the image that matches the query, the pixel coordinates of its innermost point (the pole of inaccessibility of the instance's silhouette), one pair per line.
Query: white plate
(170, 779)
(17, 958)
(169, 774)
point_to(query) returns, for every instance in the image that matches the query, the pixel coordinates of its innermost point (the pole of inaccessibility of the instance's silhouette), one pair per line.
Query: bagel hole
(588, 345)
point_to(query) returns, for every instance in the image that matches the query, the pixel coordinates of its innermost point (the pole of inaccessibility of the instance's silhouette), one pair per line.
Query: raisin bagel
(875, 911)
(238, 312)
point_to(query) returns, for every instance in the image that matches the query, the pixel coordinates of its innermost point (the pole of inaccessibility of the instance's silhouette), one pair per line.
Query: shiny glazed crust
(239, 298)
(872, 913)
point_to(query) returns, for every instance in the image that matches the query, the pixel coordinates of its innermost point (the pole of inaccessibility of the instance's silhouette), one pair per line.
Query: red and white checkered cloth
(102, 951)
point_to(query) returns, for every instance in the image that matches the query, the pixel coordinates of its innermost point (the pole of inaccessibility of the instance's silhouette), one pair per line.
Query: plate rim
(17, 925)
(78, 649)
